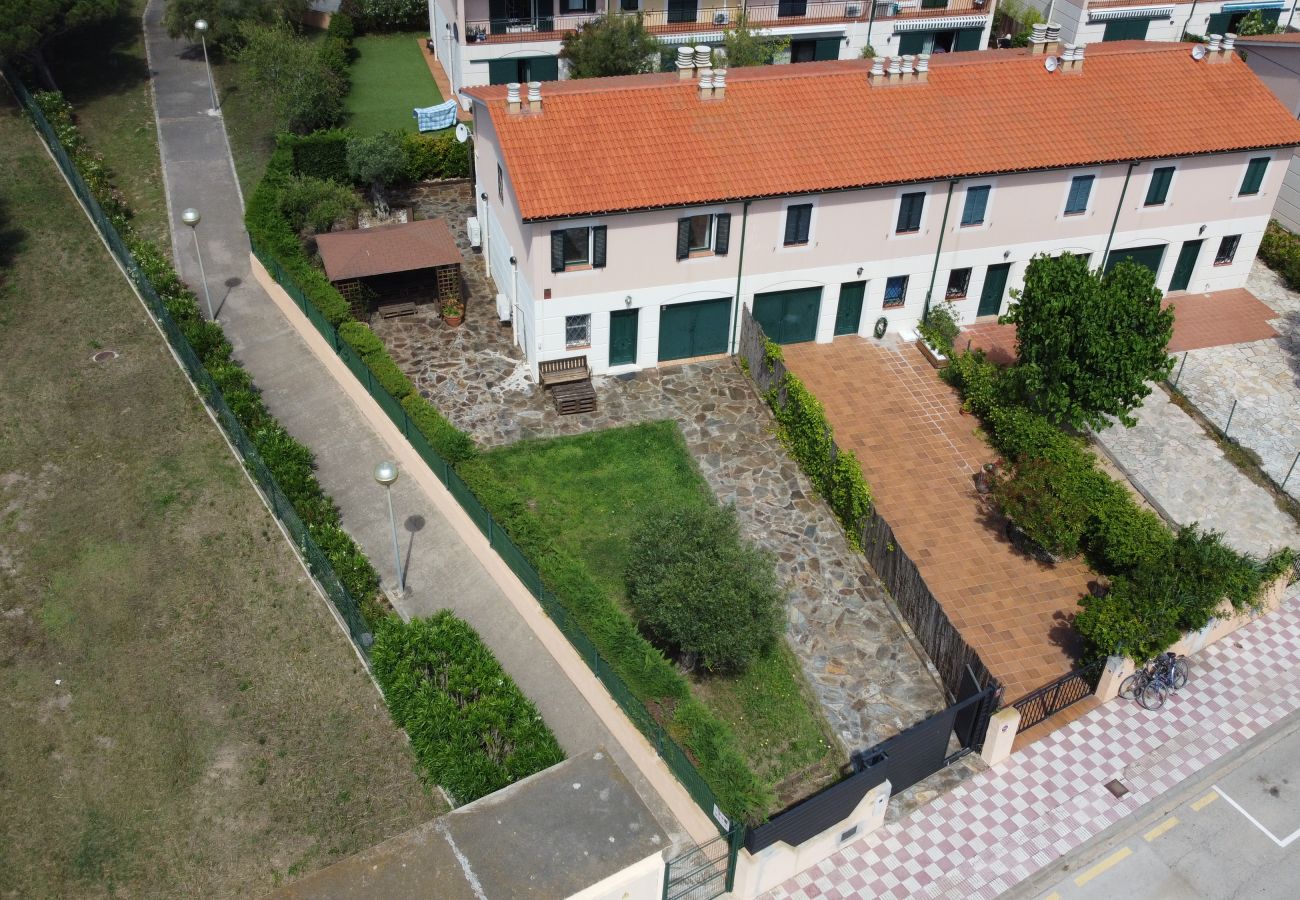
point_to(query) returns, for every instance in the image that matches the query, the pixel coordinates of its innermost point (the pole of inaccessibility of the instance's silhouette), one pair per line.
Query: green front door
(1143, 256)
(622, 336)
(694, 329)
(968, 39)
(995, 285)
(789, 317)
(848, 315)
(1185, 266)
(912, 42)
(1126, 30)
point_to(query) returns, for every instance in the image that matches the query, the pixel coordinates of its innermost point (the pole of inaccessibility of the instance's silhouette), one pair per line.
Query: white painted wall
(642, 880)
(1287, 209)
(1078, 27)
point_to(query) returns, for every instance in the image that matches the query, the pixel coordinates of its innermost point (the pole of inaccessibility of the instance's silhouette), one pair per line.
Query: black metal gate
(706, 871)
(1055, 696)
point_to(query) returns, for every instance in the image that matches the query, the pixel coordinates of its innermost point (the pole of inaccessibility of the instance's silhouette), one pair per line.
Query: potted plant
(453, 312)
(938, 330)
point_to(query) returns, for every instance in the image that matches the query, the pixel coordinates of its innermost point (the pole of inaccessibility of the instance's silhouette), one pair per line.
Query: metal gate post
(735, 841)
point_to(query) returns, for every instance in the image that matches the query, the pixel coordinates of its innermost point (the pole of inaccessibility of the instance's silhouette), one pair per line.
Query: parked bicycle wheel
(1129, 687)
(1152, 695)
(1178, 672)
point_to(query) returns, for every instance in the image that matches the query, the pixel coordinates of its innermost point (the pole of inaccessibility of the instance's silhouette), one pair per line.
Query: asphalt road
(1231, 832)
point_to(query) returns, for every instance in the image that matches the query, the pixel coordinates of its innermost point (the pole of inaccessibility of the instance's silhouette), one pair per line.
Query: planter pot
(454, 321)
(937, 359)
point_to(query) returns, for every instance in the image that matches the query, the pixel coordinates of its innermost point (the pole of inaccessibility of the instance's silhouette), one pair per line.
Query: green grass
(249, 120)
(183, 717)
(389, 79)
(587, 492)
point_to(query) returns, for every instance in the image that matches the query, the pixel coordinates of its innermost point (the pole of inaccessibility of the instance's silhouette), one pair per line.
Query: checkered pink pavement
(1004, 824)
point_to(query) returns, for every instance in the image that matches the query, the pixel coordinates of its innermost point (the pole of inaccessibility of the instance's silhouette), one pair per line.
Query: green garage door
(1145, 256)
(789, 317)
(1126, 30)
(694, 329)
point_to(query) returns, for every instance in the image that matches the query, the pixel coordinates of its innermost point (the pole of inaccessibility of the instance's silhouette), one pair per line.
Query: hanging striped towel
(433, 118)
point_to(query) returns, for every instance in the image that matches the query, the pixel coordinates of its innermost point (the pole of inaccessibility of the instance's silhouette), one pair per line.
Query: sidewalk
(448, 565)
(1003, 825)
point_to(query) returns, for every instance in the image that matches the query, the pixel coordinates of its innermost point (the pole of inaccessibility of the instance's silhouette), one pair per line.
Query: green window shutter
(503, 71)
(1254, 176)
(683, 238)
(1158, 189)
(1218, 23)
(1126, 30)
(912, 42)
(909, 212)
(557, 250)
(827, 48)
(968, 39)
(722, 233)
(598, 246)
(977, 201)
(1270, 16)
(544, 68)
(1080, 191)
(798, 218)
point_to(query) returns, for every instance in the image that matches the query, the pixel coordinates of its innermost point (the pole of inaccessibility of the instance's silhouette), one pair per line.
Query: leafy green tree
(388, 15)
(305, 93)
(611, 45)
(1088, 344)
(226, 18)
(1254, 23)
(699, 590)
(748, 47)
(379, 160)
(313, 205)
(28, 26)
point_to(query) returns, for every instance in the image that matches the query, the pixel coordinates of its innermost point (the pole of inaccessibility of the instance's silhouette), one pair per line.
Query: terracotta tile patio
(1200, 320)
(919, 453)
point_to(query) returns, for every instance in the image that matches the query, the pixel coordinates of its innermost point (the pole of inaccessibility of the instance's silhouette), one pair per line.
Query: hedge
(472, 729)
(323, 154)
(1280, 251)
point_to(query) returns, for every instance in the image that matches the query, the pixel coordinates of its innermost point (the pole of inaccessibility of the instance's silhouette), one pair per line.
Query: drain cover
(1116, 787)
(105, 355)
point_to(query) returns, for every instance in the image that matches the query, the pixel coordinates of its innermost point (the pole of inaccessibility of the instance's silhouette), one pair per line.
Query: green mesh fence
(315, 558)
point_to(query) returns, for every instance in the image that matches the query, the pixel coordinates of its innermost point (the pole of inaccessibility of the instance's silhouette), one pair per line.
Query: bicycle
(1151, 684)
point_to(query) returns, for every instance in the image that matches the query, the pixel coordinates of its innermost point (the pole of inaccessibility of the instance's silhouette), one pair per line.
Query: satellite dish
(1051, 63)
(462, 133)
(1198, 52)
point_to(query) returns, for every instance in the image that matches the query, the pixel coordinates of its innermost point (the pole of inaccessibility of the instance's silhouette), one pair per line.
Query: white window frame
(992, 185)
(1235, 251)
(907, 286)
(1071, 174)
(788, 202)
(577, 345)
(970, 277)
(1237, 195)
(897, 206)
(1173, 182)
(588, 224)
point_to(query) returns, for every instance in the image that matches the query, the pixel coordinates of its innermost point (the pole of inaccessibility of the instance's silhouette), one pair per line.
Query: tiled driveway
(919, 453)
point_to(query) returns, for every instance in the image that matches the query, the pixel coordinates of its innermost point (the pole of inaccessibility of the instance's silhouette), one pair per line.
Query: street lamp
(190, 216)
(386, 474)
(201, 26)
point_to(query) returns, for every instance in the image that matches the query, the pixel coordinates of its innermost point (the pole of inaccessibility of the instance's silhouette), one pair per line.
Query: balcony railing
(685, 17)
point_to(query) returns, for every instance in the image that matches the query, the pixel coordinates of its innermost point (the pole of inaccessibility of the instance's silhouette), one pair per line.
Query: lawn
(183, 717)
(389, 79)
(249, 121)
(587, 491)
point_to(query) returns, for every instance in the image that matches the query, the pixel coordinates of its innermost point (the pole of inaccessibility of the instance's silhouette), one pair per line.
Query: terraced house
(500, 41)
(1089, 21)
(625, 219)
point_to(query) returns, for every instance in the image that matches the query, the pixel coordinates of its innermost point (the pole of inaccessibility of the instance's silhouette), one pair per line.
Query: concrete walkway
(448, 563)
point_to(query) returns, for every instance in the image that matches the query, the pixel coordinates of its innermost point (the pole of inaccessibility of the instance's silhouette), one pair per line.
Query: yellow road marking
(1114, 859)
(1053, 896)
(1160, 829)
(1205, 801)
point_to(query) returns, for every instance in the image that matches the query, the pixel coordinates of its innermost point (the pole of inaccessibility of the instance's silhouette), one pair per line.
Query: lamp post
(386, 474)
(190, 216)
(201, 26)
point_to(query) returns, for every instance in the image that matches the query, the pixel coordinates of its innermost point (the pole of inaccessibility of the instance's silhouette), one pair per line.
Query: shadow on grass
(91, 63)
(12, 239)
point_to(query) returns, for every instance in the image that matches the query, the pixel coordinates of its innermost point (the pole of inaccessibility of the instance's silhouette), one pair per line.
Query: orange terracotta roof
(384, 249)
(639, 142)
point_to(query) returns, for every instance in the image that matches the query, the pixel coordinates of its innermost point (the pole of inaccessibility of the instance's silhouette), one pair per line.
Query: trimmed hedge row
(1280, 250)
(472, 729)
(641, 665)
(290, 463)
(1162, 583)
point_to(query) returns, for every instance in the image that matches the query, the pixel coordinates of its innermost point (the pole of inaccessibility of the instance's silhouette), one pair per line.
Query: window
(1080, 191)
(501, 184)
(895, 292)
(909, 212)
(577, 331)
(977, 201)
(1254, 176)
(703, 234)
(1227, 250)
(798, 219)
(630, 5)
(1158, 189)
(700, 233)
(958, 282)
(578, 248)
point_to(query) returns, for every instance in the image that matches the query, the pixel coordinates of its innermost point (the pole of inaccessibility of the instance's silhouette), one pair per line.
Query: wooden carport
(390, 268)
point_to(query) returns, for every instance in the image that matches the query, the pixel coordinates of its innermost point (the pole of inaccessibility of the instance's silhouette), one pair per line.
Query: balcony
(539, 20)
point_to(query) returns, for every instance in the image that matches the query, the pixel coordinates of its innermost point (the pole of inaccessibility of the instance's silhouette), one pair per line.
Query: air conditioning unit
(722, 18)
(852, 10)
(475, 235)
(503, 307)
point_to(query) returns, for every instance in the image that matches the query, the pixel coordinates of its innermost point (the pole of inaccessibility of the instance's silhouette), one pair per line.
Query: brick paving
(1200, 320)
(1005, 824)
(920, 453)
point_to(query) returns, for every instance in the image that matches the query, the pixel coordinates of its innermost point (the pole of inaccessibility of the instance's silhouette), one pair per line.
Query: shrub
(1123, 535)
(698, 589)
(378, 159)
(1280, 251)
(940, 327)
(360, 338)
(471, 728)
(313, 205)
(431, 156)
(390, 377)
(1037, 497)
(389, 15)
(304, 93)
(321, 154)
(452, 444)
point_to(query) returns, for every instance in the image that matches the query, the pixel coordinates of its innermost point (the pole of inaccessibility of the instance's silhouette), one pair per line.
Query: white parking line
(1281, 842)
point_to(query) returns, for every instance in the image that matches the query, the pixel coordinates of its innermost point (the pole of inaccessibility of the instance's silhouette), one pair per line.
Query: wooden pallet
(574, 397)
(389, 310)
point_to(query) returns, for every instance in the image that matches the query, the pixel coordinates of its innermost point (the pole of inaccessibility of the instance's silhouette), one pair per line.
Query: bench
(562, 371)
(389, 310)
(574, 397)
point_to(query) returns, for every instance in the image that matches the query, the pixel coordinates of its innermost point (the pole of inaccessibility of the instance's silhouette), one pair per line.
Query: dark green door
(682, 10)
(694, 329)
(848, 315)
(995, 285)
(827, 48)
(912, 42)
(1185, 266)
(968, 39)
(1126, 30)
(543, 68)
(622, 336)
(1145, 256)
(789, 317)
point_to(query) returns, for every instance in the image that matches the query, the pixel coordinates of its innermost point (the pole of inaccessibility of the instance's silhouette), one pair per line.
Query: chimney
(719, 83)
(703, 57)
(534, 96)
(895, 69)
(1038, 39)
(1053, 38)
(1229, 41)
(923, 68)
(1213, 45)
(877, 70)
(512, 97)
(706, 84)
(908, 73)
(685, 63)
(1072, 61)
